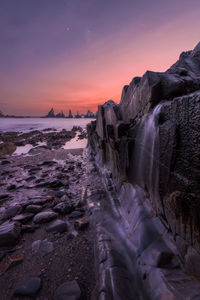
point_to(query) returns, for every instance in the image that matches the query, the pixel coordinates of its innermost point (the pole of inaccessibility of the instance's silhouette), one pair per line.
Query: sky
(77, 54)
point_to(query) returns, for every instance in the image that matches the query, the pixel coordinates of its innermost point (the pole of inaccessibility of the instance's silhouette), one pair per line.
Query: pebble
(42, 246)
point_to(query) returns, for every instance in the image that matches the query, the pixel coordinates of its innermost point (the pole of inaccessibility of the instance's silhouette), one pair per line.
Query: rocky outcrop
(60, 115)
(150, 143)
(70, 116)
(51, 114)
(145, 93)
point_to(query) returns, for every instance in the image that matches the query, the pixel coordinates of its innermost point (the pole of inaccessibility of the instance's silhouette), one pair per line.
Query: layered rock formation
(150, 143)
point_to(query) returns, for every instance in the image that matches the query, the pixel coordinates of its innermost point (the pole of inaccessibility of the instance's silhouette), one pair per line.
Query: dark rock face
(143, 94)
(152, 139)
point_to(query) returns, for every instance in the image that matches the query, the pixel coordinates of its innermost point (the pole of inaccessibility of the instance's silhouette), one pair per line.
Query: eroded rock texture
(152, 140)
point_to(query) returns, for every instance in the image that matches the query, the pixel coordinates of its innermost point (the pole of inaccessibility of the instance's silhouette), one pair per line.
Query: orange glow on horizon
(99, 71)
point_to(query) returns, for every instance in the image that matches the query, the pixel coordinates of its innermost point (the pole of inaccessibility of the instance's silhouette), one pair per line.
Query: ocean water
(28, 124)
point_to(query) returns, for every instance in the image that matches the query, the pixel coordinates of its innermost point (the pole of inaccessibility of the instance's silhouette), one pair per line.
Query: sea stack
(70, 114)
(60, 115)
(51, 114)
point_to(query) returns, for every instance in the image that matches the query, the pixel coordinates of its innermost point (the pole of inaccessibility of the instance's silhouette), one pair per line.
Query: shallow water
(27, 124)
(75, 143)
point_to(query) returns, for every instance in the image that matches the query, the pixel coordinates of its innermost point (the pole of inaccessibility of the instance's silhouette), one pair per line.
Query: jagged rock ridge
(152, 140)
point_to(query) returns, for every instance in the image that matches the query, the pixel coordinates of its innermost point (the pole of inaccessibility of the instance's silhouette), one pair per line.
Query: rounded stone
(28, 286)
(57, 226)
(68, 290)
(44, 217)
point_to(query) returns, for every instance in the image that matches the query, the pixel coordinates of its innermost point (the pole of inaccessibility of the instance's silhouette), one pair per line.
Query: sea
(30, 124)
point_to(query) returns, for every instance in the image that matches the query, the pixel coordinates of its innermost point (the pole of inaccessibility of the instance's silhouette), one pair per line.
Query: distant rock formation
(89, 114)
(60, 115)
(77, 116)
(70, 114)
(51, 114)
(150, 143)
(1, 114)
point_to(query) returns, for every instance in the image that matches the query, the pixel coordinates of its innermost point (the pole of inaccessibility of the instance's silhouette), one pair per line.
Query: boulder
(33, 208)
(68, 290)
(23, 218)
(9, 233)
(57, 226)
(11, 212)
(38, 201)
(28, 286)
(64, 208)
(44, 217)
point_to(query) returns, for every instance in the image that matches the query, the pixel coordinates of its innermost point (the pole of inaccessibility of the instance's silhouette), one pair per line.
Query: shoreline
(49, 182)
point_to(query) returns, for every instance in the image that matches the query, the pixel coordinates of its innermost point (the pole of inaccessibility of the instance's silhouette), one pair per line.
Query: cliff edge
(149, 143)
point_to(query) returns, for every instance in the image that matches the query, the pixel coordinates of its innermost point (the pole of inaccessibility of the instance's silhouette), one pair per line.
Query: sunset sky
(79, 53)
